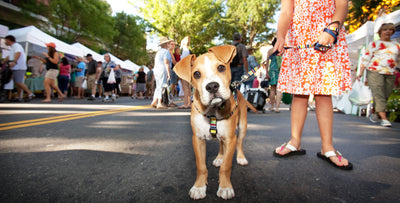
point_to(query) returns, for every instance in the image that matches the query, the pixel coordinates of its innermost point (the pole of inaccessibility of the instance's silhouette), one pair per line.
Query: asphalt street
(90, 151)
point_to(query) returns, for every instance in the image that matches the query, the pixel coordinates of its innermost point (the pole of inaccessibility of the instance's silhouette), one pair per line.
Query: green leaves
(211, 22)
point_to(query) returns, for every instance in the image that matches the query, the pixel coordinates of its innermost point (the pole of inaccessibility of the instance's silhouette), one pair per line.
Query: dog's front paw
(198, 192)
(242, 161)
(218, 162)
(226, 193)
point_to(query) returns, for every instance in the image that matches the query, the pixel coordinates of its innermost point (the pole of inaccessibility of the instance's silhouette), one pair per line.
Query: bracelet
(336, 21)
(331, 33)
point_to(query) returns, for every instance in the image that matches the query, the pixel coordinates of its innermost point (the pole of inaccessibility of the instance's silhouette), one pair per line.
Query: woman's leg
(388, 86)
(324, 112)
(278, 100)
(55, 87)
(272, 97)
(47, 88)
(298, 118)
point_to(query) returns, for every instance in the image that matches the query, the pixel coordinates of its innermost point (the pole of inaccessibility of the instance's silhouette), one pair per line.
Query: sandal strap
(289, 146)
(334, 153)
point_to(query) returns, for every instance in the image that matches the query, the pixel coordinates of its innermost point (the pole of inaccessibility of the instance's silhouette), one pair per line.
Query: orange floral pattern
(380, 56)
(308, 71)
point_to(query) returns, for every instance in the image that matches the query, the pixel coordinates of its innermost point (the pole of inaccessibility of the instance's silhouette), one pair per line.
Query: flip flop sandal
(293, 151)
(326, 156)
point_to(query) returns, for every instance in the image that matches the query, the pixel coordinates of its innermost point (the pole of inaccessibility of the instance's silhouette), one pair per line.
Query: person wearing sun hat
(51, 59)
(162, 71)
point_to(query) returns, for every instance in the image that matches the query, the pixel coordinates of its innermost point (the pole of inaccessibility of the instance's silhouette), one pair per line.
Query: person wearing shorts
(91, 76)
(51, 59)
(17, 63)
(80, 77)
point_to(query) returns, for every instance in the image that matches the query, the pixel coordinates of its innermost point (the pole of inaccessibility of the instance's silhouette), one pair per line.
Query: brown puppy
(210, 75)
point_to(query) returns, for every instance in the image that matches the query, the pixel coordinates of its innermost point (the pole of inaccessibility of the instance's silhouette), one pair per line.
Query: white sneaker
(385, 123)
(373, 118)
(113, 97)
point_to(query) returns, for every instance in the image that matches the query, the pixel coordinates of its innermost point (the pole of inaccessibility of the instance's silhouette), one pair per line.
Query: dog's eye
(221, 68)
(197, 75)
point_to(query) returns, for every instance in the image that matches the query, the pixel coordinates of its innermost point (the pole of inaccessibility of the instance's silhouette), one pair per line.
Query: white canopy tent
(32, 35)
(85, 50)
(121, 63)
(131, 66)
(3, 31)
(358, 39)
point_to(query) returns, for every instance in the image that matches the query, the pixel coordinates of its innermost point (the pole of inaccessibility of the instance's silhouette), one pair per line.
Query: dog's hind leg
(198, 191)
(220, 157)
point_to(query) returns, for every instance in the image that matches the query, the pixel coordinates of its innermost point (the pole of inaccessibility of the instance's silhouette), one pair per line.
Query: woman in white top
(161, 72)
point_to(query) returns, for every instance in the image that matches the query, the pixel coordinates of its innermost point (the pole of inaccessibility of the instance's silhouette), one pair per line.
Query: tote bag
(360, 94)
(111, 77)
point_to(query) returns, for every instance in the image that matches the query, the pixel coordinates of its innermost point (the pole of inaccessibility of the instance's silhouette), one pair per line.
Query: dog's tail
(251, 106)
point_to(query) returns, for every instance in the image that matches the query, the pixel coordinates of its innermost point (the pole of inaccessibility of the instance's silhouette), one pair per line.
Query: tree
(130, 42)
(179, 18)
(75, 20)
(211, 22)
(362, 11)
(250, 18)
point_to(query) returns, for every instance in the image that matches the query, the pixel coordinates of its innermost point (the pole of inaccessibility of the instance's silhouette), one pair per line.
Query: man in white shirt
(17, 63)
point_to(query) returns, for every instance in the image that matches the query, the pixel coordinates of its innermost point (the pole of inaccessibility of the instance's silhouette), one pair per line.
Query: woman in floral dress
(306, 71)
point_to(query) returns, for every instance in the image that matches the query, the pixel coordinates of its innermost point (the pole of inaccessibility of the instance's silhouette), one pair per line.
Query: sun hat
(164, 40)
(51, 44)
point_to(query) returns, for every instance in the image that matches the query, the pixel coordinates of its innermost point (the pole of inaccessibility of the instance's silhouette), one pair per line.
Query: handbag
(111, 77)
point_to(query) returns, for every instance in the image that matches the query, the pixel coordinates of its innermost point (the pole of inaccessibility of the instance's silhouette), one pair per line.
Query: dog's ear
(184, 67)
(224, 53)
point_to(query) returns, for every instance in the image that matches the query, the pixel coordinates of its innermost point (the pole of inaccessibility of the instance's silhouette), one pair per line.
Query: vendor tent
(32, 35)
(85, 50)
(3, 31)
(131, 66)
(358, 39)
(118, 61)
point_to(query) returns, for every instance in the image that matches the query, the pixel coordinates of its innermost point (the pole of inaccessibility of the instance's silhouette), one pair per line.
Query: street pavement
(90, 151)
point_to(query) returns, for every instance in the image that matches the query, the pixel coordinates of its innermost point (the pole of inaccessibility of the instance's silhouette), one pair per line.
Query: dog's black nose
(212, 87)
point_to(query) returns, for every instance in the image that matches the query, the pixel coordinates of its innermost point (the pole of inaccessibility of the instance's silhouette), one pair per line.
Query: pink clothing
(64, 69)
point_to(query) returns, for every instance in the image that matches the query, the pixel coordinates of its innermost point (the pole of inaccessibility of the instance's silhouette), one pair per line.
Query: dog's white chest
(202, 127)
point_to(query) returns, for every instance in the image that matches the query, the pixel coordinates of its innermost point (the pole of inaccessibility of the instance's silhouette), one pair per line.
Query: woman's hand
(45, 55)
(279, 46)
(325, 39)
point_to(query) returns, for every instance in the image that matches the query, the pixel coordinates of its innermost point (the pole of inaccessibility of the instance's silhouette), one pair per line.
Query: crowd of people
(72, 77)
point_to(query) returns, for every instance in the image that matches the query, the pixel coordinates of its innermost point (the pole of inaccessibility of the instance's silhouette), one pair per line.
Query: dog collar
(213, 119)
